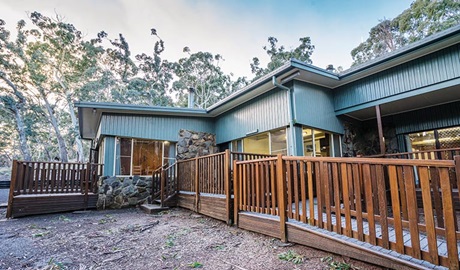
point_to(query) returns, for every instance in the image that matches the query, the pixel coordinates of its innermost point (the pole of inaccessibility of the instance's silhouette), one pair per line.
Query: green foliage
(195, 265)
(422, 19)
(279, 55)
(291, 256)
(334, 265)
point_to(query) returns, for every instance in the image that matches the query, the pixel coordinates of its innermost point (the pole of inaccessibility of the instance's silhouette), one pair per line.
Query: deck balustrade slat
(311, 192)
(345, 175)
(447, 204)
(382, 199)
(296, 191)
(412, 212)
(369, 203)
(359, 211)
(428, 211)
(396, 207)
(303, 191)
(336, 181)
(273, 186)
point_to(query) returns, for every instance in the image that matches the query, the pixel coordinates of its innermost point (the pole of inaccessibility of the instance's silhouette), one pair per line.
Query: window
(140, 157)
(317, 143)
(434, 139)
(273, 142)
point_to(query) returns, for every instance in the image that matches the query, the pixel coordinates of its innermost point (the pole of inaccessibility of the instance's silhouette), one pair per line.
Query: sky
(236, 29)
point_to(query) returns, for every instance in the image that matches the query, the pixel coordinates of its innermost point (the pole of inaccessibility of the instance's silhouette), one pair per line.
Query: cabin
(365, 163)
(408, 100)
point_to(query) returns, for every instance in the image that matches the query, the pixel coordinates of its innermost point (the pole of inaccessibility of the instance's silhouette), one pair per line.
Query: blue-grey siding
(314, 107)
(153, 127)
(109, 155)
(434, 68)
(266, 112)
(446, 115)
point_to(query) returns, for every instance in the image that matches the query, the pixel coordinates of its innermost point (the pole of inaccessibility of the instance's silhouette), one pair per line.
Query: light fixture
(252, 132)
(94, 110)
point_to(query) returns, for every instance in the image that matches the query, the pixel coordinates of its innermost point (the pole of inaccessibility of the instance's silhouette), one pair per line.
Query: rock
(127, 182)
(109, 180)
(141, 183)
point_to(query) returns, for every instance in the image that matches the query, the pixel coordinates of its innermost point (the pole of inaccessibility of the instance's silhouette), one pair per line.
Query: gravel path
(4, 196)
(131, 239)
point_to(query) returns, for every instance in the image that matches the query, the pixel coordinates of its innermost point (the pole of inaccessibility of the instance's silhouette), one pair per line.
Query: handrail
(385, 161)
(434, 151)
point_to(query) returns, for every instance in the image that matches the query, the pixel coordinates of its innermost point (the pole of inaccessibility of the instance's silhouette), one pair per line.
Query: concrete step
(153, 208)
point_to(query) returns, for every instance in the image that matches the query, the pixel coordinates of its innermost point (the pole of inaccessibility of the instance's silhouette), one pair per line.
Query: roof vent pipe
(330, 68)
(191, 97)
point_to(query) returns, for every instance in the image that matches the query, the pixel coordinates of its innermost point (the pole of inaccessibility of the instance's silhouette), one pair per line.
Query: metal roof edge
(140, 108)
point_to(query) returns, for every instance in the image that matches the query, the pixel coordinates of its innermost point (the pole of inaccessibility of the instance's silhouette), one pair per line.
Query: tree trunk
(20, 127)
(75, 129)
(52, 118)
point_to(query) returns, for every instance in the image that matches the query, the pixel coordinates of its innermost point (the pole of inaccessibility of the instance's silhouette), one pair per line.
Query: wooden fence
(436, 154)
(371, 200)
(37, 179)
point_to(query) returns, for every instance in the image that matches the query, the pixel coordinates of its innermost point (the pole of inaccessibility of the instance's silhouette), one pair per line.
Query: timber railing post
(197, 185)
(228, 192)
(88, 174)
(14, 175)
(162, 187)
(236, 187)
(281, 190)
(457, 171)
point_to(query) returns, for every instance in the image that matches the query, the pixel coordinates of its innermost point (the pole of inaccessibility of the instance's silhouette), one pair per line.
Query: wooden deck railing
(37, 178)
(369, 199)
(54, 177)
(240, 156)
(437, 154)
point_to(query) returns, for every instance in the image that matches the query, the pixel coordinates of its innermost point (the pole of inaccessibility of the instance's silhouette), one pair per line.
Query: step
(153, 208)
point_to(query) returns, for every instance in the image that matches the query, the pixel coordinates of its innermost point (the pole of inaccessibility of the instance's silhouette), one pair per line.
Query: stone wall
(362, 139)
(195, 144)
(118, 192)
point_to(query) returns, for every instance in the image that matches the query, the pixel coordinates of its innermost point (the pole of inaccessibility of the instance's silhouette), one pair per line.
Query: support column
(380, 128)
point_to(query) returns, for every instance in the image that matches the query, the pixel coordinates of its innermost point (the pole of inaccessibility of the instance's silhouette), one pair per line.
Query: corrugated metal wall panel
(266, 112)
(430, 69)
(153, 127)
(109, 155)
(314, 107)
(446, 115)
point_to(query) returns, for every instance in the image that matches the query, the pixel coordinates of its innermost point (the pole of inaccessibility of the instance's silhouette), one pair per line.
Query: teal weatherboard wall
(266, 112)
(314, 107)
(109, 155)
(155, 127)
(409, 79)
(442, 116)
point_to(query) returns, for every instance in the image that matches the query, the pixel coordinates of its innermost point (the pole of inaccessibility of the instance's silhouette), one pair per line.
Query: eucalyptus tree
(201, 71)
(12, 86)
(279, 55)
(422, 19)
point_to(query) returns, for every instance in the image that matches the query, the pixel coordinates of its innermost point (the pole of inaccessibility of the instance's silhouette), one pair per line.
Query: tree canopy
(422, 19)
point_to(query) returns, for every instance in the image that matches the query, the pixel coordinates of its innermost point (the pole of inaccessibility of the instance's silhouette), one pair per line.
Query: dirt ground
(131, 239)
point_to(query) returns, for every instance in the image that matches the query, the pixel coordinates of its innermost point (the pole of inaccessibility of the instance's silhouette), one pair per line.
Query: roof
(90, 112)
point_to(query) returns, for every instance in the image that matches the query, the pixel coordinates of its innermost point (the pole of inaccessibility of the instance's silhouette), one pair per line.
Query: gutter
(292, 142)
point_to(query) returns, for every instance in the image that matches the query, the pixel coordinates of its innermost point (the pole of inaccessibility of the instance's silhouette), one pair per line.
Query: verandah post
(281, 190)
(14, 174)
(236, 187)
(197, 183)
(228, 192)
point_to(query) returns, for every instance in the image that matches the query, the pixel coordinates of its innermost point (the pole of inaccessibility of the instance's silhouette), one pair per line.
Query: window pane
(308, 149)
(125, 156)
(278, 141)
(322, 144)
(422, 141)
(257, 144)
(147, 156)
